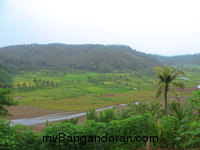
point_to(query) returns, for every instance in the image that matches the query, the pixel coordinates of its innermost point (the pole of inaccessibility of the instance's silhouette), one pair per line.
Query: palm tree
(166, 76)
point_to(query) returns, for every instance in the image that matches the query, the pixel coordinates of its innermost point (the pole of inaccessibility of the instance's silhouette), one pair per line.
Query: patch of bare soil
(24, 111)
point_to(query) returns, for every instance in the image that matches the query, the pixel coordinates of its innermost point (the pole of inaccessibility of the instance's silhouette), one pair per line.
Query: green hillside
(98, 58)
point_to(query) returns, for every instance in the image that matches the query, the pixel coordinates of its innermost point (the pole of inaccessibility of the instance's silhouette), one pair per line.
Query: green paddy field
(81, 91)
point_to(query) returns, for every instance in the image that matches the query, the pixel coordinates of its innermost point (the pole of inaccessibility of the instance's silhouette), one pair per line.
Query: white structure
(184, 78)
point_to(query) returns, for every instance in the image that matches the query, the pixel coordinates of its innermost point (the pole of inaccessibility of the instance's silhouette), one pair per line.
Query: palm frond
(158, 70)
(159, 89)
(159, 73)
(174, 91)
(177, 74)
(177, 110)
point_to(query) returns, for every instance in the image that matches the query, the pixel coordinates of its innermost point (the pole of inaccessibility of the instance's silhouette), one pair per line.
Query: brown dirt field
(24, 111)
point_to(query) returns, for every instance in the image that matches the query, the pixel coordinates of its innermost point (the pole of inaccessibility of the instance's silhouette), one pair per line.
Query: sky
(164, 27)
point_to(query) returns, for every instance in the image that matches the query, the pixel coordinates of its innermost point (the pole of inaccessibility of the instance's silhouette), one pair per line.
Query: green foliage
(166, 76)
(125, 113)
(181, 128)
(27, 139)
(72, 120)
(169, 127)
(107, 115)
(5, 79)
(156, 109)
(104, 116)
(7, 137)
(17, 137)
(176, 110)
(133, 126)
(190, 126)
(91, 114)
(139, 109)
(5, 100)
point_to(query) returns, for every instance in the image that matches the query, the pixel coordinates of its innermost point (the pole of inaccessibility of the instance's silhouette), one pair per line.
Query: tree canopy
(5, 100)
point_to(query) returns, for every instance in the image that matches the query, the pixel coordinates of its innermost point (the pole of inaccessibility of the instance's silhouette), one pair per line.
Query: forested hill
(180, 60)
(100, 58)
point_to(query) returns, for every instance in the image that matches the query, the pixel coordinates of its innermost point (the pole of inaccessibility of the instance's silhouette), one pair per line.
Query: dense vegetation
(5, 79)
(5, 100)
(97, 58)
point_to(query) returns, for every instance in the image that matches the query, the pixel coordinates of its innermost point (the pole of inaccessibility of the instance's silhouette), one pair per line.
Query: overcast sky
(166, 27)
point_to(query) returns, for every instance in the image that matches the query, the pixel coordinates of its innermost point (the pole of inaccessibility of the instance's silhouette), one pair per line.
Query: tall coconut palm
(167, 76)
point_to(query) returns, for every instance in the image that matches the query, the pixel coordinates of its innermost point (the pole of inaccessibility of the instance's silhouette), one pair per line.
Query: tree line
(39, 83)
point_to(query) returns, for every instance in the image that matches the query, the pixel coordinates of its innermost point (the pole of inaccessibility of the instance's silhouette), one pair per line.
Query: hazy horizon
(165, 28)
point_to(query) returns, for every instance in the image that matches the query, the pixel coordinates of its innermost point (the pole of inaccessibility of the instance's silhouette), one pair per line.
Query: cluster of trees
(5, 100)
(38, 83)
(5, 79)
(119, 80)
(98, 58)
(190, 68)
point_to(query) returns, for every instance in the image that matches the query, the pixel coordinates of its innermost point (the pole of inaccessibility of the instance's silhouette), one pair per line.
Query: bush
(17, 137)
(104, 116)
(132, 126)
(190, 126)
(7, 136)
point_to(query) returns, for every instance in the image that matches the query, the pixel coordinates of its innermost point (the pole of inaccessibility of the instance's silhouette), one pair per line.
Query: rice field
(81, 91)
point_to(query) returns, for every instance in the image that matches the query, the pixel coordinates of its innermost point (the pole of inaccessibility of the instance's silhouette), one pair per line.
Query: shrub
(190, 126)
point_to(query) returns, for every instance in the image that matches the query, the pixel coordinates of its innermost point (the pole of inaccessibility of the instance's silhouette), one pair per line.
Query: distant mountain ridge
(180, 59)
(91, 57)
